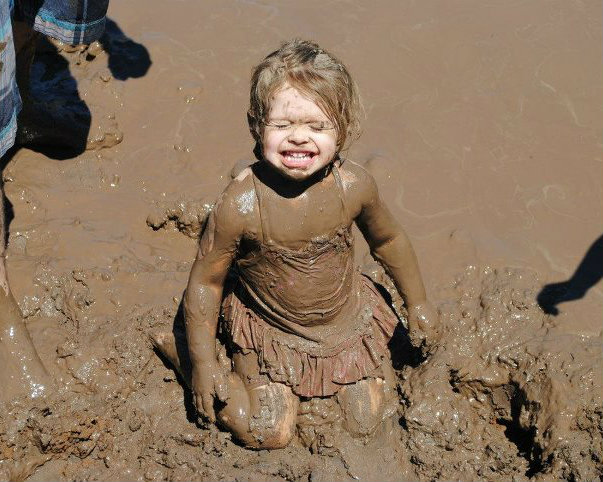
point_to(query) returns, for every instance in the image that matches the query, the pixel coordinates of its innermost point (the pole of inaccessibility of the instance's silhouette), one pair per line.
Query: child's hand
(208, 381)
(424, 325)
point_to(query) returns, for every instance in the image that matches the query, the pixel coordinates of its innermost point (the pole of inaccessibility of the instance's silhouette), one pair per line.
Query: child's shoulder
(236, 205)
(355, 174)
(358, 182)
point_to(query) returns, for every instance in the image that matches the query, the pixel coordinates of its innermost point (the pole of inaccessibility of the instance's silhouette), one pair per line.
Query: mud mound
(505, 397)
(186, 216)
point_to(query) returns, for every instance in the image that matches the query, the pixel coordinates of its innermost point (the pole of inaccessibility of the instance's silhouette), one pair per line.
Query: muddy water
(483, 128)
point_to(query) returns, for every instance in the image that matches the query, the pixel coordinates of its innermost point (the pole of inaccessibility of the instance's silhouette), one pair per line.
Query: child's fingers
(221, 387)
(199, 408)
(198, 404)
(207, 402)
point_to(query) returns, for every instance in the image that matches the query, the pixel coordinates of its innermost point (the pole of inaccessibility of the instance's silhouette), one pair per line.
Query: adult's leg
(25, 39)
(76, 22)
(22, 371)
(38, 124)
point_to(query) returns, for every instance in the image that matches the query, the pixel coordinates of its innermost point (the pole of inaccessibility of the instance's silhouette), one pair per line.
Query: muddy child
(301, 322)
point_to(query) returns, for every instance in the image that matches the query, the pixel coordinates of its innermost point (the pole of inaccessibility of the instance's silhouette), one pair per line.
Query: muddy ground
(483, 128)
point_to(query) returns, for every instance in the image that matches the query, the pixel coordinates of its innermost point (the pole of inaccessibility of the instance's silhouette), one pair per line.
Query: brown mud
(483, 131)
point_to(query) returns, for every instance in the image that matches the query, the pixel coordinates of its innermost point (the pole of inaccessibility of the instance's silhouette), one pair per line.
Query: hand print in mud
(301, 327)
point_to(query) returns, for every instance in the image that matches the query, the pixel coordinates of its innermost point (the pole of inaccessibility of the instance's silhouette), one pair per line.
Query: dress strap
(256, 188)
(339, 183)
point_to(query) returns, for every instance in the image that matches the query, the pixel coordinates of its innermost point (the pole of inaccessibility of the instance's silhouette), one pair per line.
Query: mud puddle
(483, 131)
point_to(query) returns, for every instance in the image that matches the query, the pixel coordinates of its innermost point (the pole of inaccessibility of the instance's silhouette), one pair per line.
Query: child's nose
(298, 134)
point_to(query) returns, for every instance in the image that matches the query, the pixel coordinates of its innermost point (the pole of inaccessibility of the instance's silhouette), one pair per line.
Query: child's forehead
(289, 101)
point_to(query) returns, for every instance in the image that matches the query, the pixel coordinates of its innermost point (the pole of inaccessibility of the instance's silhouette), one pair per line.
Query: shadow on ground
(588, 273)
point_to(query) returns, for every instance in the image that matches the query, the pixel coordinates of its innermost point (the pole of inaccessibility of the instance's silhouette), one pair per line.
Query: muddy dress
(315, 323)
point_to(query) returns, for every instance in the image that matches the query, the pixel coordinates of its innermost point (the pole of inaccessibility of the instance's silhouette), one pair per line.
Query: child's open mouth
(297, 159)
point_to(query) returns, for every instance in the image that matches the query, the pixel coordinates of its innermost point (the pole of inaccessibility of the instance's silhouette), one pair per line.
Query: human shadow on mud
(63, 118)
(588, 274)
(8, 213)
(127, 59)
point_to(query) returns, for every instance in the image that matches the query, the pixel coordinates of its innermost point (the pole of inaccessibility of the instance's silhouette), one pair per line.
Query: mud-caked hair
(317, 75)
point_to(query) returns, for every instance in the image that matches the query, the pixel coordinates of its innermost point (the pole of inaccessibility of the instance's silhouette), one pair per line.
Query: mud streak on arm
(203, 295)
(388, 241)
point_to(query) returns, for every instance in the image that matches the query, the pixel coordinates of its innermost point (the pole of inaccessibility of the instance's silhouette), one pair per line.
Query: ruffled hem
(307, 373)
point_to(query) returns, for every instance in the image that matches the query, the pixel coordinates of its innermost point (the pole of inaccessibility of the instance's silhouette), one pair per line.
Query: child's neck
(285, 187)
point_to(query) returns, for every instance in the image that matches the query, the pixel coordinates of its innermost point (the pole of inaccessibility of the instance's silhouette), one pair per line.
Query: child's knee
(272, 422)
(364, 406)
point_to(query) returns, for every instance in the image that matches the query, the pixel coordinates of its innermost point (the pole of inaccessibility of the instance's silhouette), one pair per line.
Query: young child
(300, 320)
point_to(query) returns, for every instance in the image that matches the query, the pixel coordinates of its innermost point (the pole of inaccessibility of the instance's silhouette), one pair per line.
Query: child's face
(298, 138)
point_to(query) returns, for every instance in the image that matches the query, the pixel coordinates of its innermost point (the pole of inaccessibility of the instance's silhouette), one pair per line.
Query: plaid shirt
(10, 102)
(72, 21)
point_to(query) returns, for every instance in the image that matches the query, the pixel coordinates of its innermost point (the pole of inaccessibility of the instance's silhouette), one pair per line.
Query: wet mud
(482, 129)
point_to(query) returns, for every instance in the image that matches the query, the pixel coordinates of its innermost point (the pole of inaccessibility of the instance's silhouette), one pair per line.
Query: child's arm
(203, 297)
(390, 246)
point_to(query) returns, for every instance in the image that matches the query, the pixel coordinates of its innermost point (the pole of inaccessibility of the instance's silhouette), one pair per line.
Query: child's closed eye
(320, 126)
(278, 124)
(316, 126)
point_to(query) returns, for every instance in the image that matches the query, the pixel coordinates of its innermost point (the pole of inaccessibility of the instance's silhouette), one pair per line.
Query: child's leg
(259, 416)
(363, 405)
(367, 403)
(272, 406)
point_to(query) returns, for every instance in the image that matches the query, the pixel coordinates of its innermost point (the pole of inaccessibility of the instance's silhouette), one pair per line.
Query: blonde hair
(316, 74)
